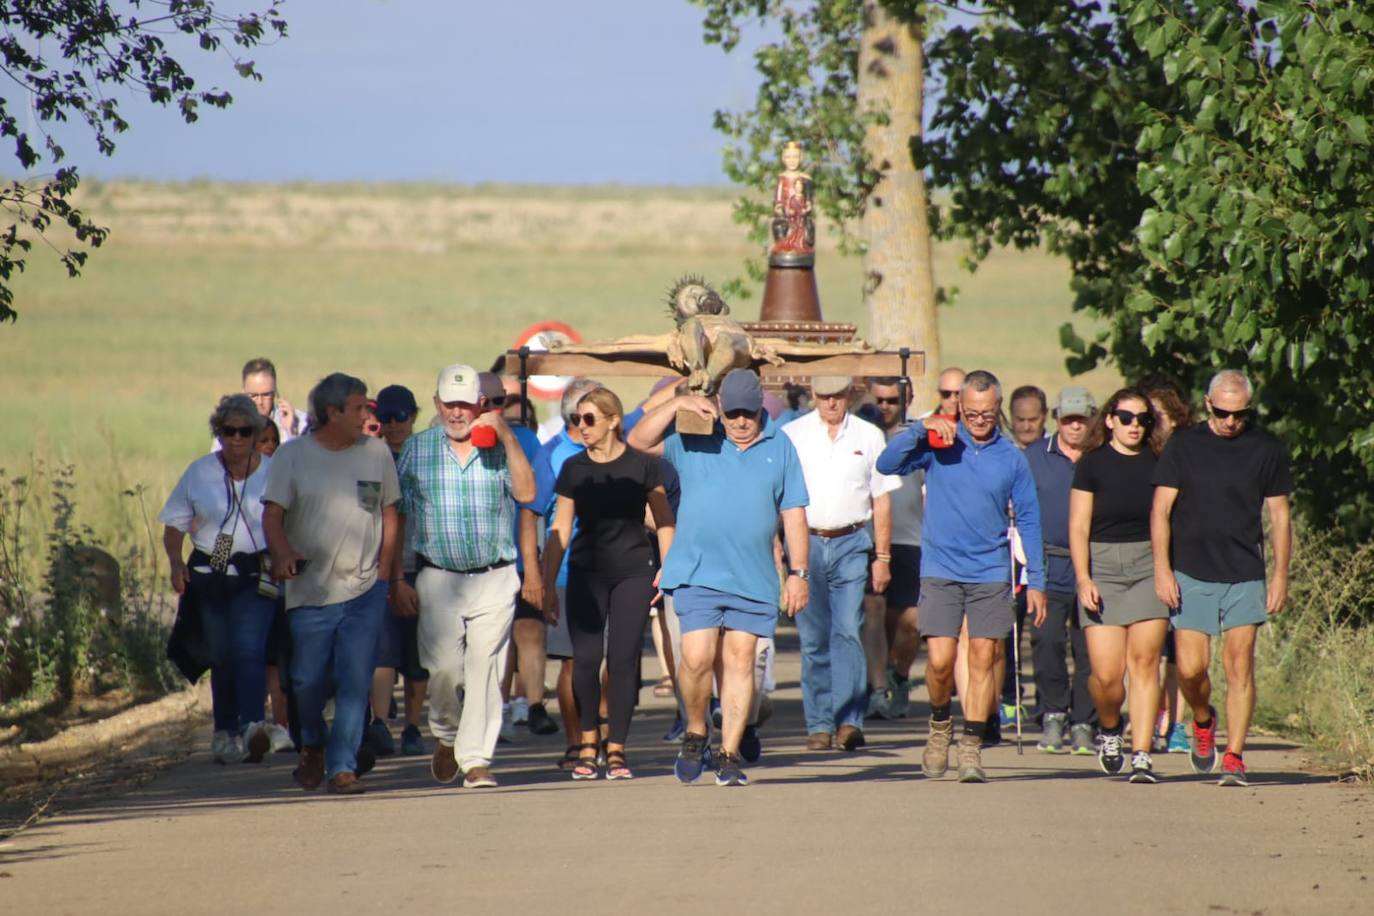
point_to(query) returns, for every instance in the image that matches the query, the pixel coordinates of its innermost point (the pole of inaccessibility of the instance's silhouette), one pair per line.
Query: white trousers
(464, 634)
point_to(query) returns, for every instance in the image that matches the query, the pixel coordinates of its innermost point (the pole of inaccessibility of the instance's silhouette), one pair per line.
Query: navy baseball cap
(396, 404)
(741, 390)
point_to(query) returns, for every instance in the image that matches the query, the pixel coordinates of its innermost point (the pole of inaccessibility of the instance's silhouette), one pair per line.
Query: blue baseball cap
(741, 390)
(396, 403)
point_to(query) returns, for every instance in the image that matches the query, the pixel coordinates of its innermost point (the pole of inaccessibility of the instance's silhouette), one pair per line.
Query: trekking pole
(1015, 631)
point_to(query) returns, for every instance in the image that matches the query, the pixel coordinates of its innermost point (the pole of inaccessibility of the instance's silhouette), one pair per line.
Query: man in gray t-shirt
(330, 520)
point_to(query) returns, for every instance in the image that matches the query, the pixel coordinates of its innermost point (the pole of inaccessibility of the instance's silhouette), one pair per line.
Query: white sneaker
(520, 711)
(257, 742)
(507, 733)
(226, 747)
(281, 738)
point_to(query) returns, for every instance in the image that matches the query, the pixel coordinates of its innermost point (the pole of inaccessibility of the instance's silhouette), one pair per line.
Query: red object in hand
(483, 436)
(937, 440)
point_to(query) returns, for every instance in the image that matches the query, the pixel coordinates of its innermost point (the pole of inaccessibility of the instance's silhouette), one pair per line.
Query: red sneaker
(1204, 752)
(1232, 771)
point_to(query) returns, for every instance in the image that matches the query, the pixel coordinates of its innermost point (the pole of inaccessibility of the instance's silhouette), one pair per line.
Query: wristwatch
(803, 574)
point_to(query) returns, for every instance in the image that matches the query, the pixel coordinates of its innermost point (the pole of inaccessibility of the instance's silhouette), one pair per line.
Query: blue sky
(463, 91)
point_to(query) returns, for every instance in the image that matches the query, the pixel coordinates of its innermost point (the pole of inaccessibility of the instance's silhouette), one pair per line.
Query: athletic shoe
(1143, 768)
(935, 758)
(379, 737)
(1084, 739)
(479, 778)
(749, 746)
(1006, 715)
(225, 747)
(367, 759)
(541, 723)
(281, 738)
(1178, 739)
(412, 744)
(715, 713)
(691, 759)
(507, 733)
(971, 759)
(257, 743)
(1232, 771)
(877, 705)
(1109, 754)
(520, 711)
(1203, 755)
(730, 773)
(898, 695)
(1159, 744)
(675, 733)
(1053, 735)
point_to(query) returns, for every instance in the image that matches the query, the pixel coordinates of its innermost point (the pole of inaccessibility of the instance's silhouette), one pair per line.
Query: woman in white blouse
(218, 502)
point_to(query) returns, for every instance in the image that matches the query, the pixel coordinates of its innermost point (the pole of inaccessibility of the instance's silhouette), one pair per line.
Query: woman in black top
(612, 571)
(1109, 541)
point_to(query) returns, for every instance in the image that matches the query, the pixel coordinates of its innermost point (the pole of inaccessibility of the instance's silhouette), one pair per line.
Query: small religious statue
(794, 226)
(708, 342)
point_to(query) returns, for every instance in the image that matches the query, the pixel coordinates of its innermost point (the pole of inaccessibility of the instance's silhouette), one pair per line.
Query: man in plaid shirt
(460, 481)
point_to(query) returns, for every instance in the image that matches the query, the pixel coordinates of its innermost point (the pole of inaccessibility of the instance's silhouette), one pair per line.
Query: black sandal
(587, 767)
(570, 756)
(617, 766)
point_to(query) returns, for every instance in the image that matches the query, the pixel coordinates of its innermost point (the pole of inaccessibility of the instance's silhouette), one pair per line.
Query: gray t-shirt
(333, 502)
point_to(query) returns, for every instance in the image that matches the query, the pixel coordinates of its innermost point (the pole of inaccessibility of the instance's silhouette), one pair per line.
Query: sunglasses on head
(582, 419)
(394, 416)
(237, 432)
(1128, 417)
(892, 401)
(1242, 414)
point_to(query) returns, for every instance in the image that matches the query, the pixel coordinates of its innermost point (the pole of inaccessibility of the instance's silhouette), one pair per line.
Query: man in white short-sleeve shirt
(838, 456)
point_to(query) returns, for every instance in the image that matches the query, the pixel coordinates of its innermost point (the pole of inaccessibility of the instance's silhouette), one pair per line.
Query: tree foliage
(63, 59)
(1206, 168)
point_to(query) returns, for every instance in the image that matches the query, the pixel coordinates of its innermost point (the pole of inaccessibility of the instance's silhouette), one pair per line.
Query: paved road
(846, 834)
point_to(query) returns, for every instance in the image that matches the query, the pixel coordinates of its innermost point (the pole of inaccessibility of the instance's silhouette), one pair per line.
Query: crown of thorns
(682, 283)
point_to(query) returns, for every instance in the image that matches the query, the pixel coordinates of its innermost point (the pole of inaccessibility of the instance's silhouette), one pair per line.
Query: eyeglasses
(582, 419)
(1242, 414)
(394, 416)
(237, 432)
(1130, 417)
(892, 401)
(949, 394)
(740, 413)
(981, 416)
(261, 395)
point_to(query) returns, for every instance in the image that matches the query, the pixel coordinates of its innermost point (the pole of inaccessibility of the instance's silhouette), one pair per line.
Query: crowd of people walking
(336, 552)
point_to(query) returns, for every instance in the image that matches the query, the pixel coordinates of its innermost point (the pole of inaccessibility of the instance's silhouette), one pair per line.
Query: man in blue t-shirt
(737, 482)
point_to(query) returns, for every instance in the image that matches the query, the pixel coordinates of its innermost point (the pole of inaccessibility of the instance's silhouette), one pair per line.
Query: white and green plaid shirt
(463, 514)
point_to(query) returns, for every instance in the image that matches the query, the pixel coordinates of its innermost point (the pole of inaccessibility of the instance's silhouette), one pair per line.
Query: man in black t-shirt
(1208, 540)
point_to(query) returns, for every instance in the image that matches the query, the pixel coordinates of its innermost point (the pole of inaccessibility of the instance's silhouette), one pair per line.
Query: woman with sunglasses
(218, 501)
(612, 571)
(1109, 541)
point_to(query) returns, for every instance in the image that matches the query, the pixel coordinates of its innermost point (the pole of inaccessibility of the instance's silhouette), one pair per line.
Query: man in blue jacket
(972, 474)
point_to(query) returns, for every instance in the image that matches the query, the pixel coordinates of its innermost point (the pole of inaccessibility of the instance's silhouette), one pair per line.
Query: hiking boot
(541, 723)
(850, 738)
(750, 748)
(1232, 771)
(379, 737)
(1109, 756)
(1203, 755)
(1143, 768)
(729, 773)
(309, 772)
(691, 758)
(970, 754)
(1083, 739)
(935, 758)
(443, 766)
(898, 695)
(1054, 733)
(1178, 740)
(412, 744)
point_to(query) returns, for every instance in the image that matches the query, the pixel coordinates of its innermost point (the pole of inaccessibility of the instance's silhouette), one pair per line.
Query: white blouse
(202, 500)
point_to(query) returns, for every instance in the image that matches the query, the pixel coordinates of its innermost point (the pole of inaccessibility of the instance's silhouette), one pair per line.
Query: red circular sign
(540, 337)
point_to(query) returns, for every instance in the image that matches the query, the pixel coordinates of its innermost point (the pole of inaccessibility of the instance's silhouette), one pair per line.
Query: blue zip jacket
(968, 487)
(1053, 473)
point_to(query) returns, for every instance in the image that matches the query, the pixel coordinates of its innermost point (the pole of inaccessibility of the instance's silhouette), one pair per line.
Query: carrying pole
(1015, 631)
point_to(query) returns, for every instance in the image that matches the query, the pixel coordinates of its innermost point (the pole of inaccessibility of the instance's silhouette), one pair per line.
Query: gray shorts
(1215, 607)
(1125, 577)
(945, 605)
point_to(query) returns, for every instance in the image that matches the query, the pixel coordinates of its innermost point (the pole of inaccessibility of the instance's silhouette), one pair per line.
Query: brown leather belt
(836, 532)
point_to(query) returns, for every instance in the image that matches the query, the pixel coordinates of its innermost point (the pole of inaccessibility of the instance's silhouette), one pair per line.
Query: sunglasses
(582, 419)
(1128, 417)
(738, 414)
(1242, 414)
(948, 394)
(394, 416)
(237, 432)
(892, 401)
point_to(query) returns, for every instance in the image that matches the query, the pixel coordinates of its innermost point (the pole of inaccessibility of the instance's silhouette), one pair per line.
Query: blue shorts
(1215, 607)
(701, 608)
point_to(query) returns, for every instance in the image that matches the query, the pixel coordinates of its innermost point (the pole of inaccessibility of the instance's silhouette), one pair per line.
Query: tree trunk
(899, 277)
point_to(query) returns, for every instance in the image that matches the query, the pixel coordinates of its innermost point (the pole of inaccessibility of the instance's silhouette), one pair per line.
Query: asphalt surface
(815, 832)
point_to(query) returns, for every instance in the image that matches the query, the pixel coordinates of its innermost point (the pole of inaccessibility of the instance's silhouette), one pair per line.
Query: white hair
(577, 389)
(1231, 380)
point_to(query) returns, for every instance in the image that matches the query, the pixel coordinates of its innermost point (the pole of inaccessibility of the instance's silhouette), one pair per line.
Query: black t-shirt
(609, 501)
(1123, 489)
(1222, 484)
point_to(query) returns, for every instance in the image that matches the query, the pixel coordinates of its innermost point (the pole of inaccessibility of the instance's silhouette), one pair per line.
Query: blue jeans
(236, 620)
(834, 675)
(334, 647)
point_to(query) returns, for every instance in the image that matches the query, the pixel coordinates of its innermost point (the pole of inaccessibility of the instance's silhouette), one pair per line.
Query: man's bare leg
(904, 637)
(1238, 658)
(940, 663)
(961, 667)
(694, 676)
(737, 687)
(529, 646)
(415, 692)
(383, 683)
(1193, 655)
(875, 642)
(567, 703)
(982, 687)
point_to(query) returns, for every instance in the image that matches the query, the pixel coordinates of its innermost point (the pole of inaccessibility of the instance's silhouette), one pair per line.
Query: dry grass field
(116, 371)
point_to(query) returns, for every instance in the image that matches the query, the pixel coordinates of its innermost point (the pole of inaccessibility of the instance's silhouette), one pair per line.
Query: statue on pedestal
(794, 226)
